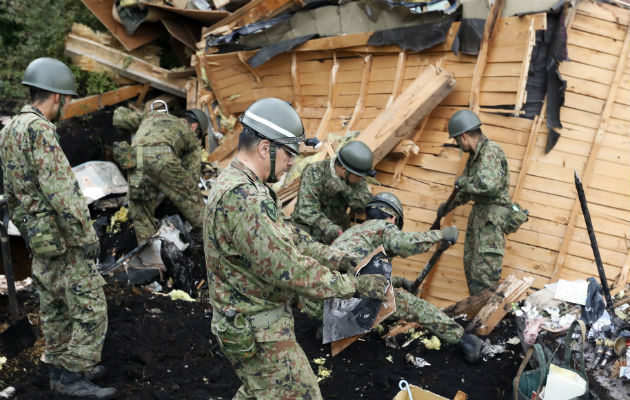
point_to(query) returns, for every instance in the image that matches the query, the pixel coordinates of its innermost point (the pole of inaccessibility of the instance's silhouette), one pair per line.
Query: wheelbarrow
(20, 334)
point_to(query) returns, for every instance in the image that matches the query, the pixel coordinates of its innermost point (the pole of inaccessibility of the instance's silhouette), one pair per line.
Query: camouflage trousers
(484, 247)
(411, 309)
(165, 174)
(278, 371)
(73, 309)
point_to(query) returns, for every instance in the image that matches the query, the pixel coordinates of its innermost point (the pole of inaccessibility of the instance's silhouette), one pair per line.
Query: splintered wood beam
(400, 164)
(398, 78)
(590, 163)
(529, 47)
(295, 79)
(230, 143)
(125, 64)
(404, 149)
(471, 305)
(360, 105)
(90, 104)
(330, 103)
(482, 57)
(531, 143)
(498, 305)
(399, 121)
(257, 10)
(460, 395)
(622, 280)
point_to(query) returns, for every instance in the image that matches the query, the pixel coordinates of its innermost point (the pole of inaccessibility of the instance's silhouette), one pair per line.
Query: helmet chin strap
(272, 158)
(62, 102)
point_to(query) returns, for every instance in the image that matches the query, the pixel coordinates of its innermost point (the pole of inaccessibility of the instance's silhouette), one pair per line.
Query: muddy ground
(157, 348)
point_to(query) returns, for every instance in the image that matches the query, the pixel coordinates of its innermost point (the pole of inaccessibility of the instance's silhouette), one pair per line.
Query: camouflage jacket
(324, 197)
(127, 120)
(362, 239)
(486, 178)
(161, 129)
(255, 260)
(38, 178)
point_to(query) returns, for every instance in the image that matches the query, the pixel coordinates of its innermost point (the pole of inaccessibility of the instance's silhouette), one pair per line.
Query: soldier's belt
(153, 150)
(264, 319)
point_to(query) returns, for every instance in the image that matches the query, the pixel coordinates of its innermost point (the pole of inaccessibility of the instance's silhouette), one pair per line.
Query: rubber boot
(97, 373)
(471, 347)
(75, 384)
(55, 375)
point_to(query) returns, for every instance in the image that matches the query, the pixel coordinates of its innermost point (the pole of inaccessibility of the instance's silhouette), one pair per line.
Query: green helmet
(357, 158)
(50, 74)
(461, 122)
(389, 201)
(202, 119)
(277, 121)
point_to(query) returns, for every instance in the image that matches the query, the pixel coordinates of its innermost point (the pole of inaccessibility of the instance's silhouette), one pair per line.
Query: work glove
(92, 250)
(450, 234)
(332, 232)
(347, 264)
(462, 181)
(400, 282)
(371, 286)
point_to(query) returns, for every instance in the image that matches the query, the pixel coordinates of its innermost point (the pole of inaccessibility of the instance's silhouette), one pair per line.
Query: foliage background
(31, 29)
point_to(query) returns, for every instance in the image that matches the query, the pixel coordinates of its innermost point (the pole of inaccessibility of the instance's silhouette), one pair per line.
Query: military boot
(75, 384)
(471, 347)
(55, 375)
(95, 374)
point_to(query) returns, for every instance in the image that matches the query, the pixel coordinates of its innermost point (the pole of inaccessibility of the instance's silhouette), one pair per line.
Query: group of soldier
(258, 260)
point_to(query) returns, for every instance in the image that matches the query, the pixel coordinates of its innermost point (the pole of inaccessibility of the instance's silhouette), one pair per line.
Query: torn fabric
(416, 38)
(468, 38)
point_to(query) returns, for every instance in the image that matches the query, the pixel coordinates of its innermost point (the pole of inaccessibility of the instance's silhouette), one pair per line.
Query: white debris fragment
(490, 350)
(419, 362)
(514, 341)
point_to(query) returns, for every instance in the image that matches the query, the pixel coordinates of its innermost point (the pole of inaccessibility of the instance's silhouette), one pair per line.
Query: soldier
(50, 211)
(327, 189)
(485, 181)
(257, 262)
(383, 226)
(168, 164)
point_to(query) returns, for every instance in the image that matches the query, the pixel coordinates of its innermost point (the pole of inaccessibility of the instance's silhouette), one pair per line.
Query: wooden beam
(230, 143)
(322, 133)
(146, 32)
(400, 164)
(295, 80)
(531, 143)
(90, 104)
(482, 57)
(529, 47)
(398, 77)
(590, 163)
(397, 122)
(498, 305)
(471, 305)
(360, 105)
(404, 149)
(125, 64)
(624, 276)
(253, 11)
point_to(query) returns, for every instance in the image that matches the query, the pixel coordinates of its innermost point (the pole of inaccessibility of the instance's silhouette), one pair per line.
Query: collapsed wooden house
(341, 83)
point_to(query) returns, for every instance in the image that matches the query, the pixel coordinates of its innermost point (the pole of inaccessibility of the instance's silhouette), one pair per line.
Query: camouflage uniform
(360, 240)
(168, 164)
(256, 264)
(38, 179)
(486, 181)
(323, 199)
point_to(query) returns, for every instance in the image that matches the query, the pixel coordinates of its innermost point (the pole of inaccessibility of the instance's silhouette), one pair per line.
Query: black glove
(347, 264)
(450, 234)
(92, 250)
(400, 282)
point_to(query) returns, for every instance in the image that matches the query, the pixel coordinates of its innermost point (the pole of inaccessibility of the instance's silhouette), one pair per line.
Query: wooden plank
(90, 104)
(609, 29)
(204, 16)
(587, 173)
(146, 32)
(253, 11)
(125, 64)
(295, 80)
(529, 47)
(330, 103)
(587, 72)
(606, 12)
(229, 145)
(599, 43)
(498, 305)
(360, 104)
(398, 77)
(400, 120)
(591, 57)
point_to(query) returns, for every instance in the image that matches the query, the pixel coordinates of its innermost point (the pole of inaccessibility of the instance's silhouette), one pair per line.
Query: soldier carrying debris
(166, 162)
(328, 187)
(485, 181)
(383, 226)
(51, 213)
(257, 262)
